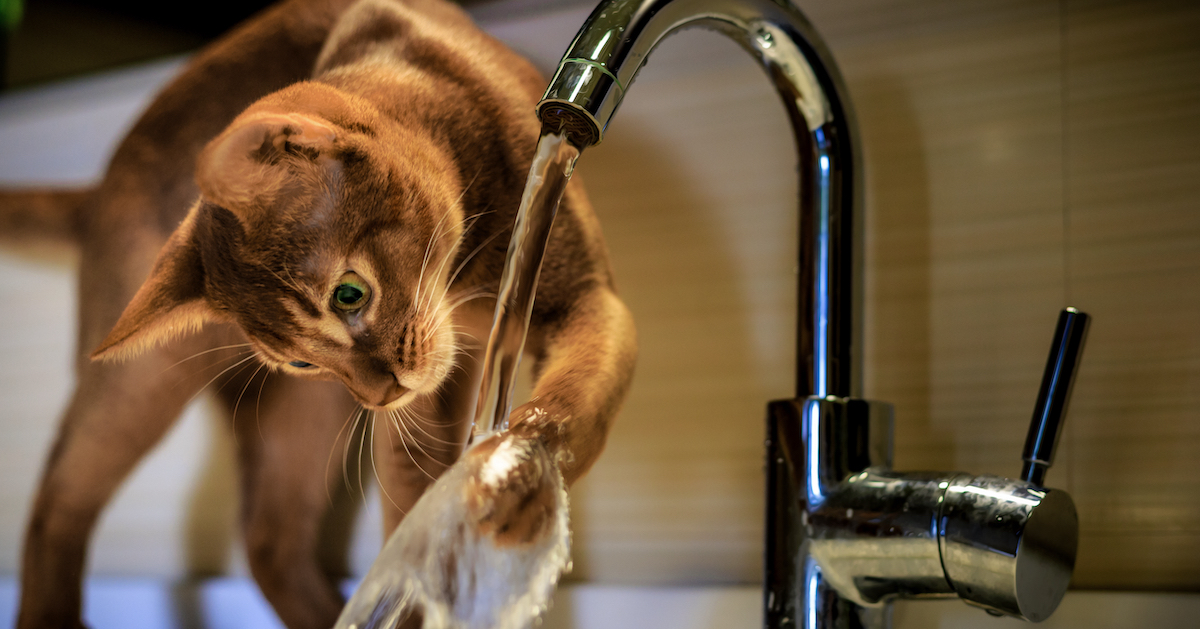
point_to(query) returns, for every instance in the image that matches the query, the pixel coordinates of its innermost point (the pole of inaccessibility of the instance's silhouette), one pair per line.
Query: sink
(235, 603)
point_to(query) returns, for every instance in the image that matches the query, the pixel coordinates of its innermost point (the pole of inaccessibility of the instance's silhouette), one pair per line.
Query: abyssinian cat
(338, 250)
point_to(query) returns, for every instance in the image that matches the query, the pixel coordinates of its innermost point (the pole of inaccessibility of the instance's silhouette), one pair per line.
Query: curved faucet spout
(846, 535)
(601, 64)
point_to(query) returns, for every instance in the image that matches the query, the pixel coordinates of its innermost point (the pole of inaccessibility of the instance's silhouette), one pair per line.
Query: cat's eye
(352, 293)
(300, 364)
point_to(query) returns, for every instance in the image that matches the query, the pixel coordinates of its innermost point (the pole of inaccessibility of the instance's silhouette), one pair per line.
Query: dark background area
(57, 39)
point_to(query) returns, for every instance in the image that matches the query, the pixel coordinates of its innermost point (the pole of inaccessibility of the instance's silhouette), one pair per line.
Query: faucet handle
(1051, 407)
(1006, 545)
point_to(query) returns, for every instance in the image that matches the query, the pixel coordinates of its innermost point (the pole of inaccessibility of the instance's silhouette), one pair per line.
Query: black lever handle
(1051, 407)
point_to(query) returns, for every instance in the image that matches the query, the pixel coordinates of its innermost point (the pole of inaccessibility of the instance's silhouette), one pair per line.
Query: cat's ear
(169, 304)
(245, 167)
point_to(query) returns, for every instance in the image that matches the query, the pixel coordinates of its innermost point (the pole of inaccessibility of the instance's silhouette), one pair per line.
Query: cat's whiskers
(450, 350)
(426, 304)
(359, 423)
(243, 355)
(415, 422)
(431, 321)
(434, 320)
(368, 429)
(425, 297)
(391, 445)
(401, 431)
(462, 265)
(433, 238)
(242, 394)
(209, 351)
(467, 223)
(292, 284)
(441, 393)
(431, 318)
(399, 415)
(295, 284)
(465, 352)
(243, 361)
(467, 187)
(258, 400)
(469, 295)
(350, 420)
(438, 292)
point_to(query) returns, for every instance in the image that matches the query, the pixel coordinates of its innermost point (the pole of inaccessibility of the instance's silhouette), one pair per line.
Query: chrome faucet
(846, 535)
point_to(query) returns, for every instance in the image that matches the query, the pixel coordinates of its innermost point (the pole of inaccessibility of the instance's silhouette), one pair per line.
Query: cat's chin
(415, 389)
(400, 402)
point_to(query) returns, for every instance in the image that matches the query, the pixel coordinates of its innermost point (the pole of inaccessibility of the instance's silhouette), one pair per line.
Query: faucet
(845, 534)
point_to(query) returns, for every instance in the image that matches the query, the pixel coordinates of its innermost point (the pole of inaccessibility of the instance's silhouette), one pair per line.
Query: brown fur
(399, 166)
(42, 214)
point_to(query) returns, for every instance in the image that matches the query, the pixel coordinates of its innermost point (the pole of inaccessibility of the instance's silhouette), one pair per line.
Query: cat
(338, 249)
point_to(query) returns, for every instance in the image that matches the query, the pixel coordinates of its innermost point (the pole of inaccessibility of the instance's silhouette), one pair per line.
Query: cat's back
(150, 178)
(436, 39)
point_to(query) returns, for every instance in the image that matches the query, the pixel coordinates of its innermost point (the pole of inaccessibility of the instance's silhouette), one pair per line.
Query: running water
(548, 176)
(438, 566)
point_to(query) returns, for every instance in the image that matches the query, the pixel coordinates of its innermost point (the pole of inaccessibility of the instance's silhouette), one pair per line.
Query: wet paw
(511, 494)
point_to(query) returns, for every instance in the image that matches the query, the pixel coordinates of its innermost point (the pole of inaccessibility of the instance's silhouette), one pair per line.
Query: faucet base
(805, 597)
(846, 534)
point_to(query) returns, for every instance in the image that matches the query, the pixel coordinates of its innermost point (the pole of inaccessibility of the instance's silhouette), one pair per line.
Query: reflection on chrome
(846, 534)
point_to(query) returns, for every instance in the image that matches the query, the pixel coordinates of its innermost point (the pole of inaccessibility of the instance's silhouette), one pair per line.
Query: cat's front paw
(513, 491)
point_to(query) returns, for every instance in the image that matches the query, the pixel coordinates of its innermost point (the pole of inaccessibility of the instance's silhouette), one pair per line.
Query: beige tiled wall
(1021, 157)
(1133, 247)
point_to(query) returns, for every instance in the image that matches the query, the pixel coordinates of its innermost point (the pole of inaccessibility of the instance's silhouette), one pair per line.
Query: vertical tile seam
(1065, 159)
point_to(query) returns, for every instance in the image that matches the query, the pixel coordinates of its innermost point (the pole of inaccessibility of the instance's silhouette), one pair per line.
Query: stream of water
(437, 570)
(548, 176)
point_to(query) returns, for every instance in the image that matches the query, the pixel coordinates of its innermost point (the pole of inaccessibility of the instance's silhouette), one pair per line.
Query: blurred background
(55, 39)
(1021, 156)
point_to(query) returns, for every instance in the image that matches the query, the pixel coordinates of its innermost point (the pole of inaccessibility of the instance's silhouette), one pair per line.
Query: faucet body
(845, 535)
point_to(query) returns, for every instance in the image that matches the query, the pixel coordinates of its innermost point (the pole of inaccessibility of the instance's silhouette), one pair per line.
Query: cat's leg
(585, 357)
(118, 412)
(289, 450)
(414, 445)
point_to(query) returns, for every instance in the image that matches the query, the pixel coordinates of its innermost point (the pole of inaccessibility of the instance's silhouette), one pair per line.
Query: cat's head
(328, 236)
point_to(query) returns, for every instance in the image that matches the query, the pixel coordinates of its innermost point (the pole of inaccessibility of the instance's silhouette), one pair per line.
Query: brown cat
(349, 229)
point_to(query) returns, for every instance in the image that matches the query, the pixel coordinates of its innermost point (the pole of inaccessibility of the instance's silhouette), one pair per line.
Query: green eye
(351, 294)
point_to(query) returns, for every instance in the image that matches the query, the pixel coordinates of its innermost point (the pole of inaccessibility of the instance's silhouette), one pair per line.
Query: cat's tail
(41, 214)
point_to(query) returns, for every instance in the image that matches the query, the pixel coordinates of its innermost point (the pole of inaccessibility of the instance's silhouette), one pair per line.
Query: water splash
(444, 566)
